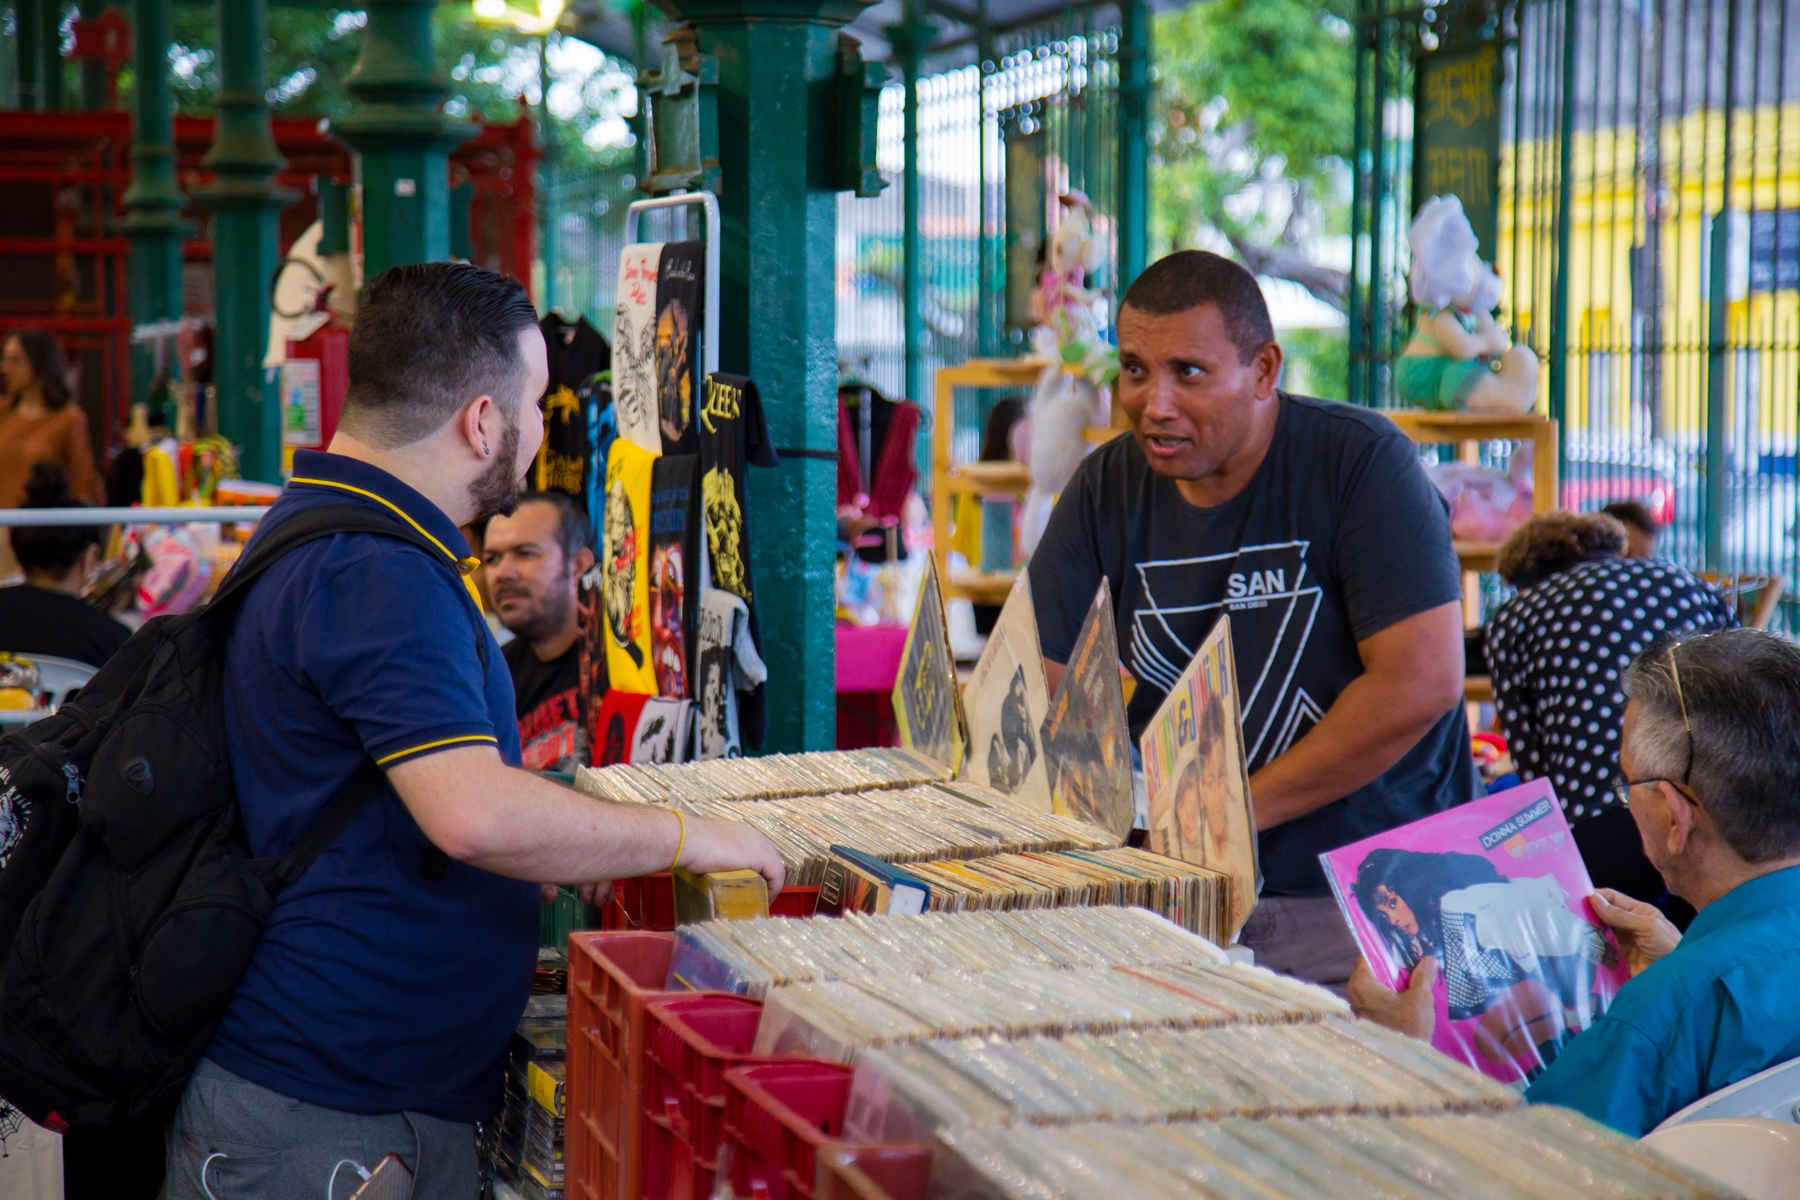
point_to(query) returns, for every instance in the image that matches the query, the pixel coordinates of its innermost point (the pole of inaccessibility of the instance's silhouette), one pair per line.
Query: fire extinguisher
(314, 378)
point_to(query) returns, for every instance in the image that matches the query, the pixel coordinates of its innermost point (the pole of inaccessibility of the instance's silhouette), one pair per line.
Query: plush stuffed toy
(1459, 357)
(1062, 301)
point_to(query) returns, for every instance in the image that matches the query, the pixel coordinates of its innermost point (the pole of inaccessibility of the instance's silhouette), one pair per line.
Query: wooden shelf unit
(949, 478)
(1466, 431)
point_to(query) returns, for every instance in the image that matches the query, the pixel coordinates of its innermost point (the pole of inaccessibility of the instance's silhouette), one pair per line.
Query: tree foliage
(1254, 123)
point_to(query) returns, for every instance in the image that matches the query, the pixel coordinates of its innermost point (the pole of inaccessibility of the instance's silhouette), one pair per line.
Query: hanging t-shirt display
(662, 732)
(576, 353)
(729, 664)
(679, 300)
(619, 713)
(625, 564)
(674, 524)
(733, 433)
(634, 346)
(590, 647)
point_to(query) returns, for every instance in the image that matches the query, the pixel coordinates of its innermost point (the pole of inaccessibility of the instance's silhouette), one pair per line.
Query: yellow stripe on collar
(464, 566)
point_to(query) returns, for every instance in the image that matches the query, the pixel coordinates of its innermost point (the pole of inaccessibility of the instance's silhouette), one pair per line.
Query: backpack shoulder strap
(363, 787)
(326, 521)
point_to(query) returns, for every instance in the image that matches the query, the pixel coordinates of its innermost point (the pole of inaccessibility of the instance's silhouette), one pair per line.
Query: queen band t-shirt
(1337, 536)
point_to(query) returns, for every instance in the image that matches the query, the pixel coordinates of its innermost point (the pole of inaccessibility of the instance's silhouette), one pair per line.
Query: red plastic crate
(778, 1115)
(873, 1172)
(611, 975)
(648, 902)
(692, 1039)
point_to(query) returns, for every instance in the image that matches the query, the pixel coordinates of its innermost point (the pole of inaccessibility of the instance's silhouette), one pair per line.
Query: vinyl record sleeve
(1196, 777)
(927, 708)
(1006, 703)
(1496, 891)
(1086, 737)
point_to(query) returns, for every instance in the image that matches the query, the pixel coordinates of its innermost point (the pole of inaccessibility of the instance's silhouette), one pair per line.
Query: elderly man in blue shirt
(1710, 766)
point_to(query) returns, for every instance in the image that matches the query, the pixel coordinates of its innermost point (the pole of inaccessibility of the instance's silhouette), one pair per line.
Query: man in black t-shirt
(533, 560)
(1313, 526)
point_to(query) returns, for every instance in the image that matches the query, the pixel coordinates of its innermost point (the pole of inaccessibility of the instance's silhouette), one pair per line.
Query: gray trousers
(1303, 936)
(236, 1140)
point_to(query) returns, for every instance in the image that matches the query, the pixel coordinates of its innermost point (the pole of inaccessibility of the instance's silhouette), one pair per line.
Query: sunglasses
(1621, 787)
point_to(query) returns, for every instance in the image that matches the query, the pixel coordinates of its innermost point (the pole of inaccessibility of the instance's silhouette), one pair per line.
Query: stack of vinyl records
(750, 957)
(900, 825)
(836, 1019)
(552, 975)
(1196, 898)
(907, 1092)
(1535, 1151)
(764, 778)
(528, 1137)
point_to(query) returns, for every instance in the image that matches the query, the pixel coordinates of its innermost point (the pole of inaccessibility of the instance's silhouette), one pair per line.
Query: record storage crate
(781, 1116)
(692, 1038)
(648, 902)
(611, 976)
(873, 1172)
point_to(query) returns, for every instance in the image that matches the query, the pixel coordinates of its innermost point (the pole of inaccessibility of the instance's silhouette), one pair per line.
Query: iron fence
(1648, 234)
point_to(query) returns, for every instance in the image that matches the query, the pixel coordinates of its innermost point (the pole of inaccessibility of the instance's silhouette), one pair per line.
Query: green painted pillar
(1718, 312)
(245, 204)
(93, 70)
(1134, 141)
(548, 180)
(398, 127)
(37, 29)
(153, 201)
(777, 130)
(910, 40)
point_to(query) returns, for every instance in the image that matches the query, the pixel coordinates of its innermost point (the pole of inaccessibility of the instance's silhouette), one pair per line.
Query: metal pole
(245, 203)
(1378, 203)
(398, 127)
(1134, 145)
(63, 517)
(153, 202)
(910, 38)
(1718, 311)
(547, 175)
(29, 17)
(985, 317)
(1565, 218)
(1358, 348)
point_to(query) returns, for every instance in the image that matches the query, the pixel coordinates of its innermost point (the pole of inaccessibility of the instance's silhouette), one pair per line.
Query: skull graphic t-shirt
(625, 568)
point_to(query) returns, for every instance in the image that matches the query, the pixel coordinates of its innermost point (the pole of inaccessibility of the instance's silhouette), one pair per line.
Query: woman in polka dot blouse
(1557, 652)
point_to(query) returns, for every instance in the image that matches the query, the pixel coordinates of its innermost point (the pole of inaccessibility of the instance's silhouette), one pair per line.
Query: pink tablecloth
(868, 658)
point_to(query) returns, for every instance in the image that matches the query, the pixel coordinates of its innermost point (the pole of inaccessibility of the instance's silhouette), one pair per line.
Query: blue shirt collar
(1749, 899)
(318, 470)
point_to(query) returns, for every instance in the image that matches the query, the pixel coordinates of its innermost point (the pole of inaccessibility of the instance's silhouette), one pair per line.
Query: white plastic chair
(1757, 1156)
(1773, 1093)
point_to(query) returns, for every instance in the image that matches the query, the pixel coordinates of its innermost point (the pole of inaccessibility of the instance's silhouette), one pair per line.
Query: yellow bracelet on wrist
(674, 862)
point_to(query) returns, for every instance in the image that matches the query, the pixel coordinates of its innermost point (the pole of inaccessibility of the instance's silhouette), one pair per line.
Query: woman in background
(1557, 652)
(38, 424)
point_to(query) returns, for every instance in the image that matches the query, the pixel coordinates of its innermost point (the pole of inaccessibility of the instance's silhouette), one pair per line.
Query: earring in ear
(485, 452)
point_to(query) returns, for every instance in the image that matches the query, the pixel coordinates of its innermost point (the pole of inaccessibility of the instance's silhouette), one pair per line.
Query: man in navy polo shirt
(375, 1015)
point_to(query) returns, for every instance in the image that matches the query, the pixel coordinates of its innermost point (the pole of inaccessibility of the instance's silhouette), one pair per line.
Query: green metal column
(987, 312)
(910, 39)
(93, 70)
(37, 32)
(1718, 312)
(153, 201)
(399, 128)
(548, 216)
(1565, 219)
(245, 204)
(777, 130)
(1134, 142)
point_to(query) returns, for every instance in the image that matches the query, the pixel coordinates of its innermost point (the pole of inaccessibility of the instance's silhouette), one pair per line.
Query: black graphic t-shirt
(1338, 536)
(550, 734)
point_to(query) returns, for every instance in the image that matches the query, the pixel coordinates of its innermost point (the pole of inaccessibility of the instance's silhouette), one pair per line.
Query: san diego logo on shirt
(1272, 608)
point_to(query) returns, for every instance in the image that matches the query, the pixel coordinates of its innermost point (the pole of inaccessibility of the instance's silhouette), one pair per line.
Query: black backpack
(129, 902)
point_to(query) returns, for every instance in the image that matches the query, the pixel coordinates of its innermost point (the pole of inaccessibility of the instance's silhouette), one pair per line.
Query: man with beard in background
(375, 1015)
(534, 559)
